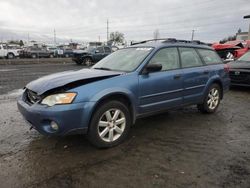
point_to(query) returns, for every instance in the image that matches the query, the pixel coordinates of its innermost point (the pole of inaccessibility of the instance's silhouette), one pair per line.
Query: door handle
(206, 72)
(177, 76)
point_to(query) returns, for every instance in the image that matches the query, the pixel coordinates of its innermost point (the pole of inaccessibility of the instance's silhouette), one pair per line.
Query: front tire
(212, 99)
(110, 124)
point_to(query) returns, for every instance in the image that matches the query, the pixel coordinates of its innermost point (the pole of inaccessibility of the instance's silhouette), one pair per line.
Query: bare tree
(116, 37)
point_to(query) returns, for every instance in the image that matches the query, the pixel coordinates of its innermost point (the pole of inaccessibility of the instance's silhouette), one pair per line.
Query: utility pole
(247, 17)
(54, 37)
(28, 38)
(99, 38)
(192, 38)
(107, 30)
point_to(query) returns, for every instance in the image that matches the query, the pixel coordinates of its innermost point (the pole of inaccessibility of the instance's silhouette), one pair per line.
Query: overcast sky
(85, 20)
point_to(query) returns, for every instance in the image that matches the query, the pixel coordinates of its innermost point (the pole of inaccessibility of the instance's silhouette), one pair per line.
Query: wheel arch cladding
(216, 80)
(122, 97)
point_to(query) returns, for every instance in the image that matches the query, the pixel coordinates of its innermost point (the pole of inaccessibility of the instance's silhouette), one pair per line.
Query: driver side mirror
(156, 67)
(97, 51)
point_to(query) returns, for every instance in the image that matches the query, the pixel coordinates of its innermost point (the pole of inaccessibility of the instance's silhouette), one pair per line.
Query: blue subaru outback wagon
(105, 100)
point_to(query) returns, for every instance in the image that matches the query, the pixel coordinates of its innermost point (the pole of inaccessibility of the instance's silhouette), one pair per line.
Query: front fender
(117, 91)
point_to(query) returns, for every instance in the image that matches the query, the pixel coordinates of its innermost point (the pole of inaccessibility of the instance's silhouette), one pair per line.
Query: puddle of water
(16, 92)
(12, 94)
(7, 70)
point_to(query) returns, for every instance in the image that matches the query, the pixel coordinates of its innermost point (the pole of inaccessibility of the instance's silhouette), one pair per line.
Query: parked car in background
(8, 53)
(104, 101)
(240, 71)
(240, 52)
(36, 52)
(53, 51)
(67, 52)
(91, 55)
(232, 49)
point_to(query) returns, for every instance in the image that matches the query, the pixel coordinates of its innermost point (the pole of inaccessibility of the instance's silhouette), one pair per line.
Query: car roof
(172, 43)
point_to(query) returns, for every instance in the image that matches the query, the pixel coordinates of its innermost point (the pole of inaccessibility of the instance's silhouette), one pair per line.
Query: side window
(168, 58)
(209, 56)
(189, 58)
(100, 49)
(107, 50)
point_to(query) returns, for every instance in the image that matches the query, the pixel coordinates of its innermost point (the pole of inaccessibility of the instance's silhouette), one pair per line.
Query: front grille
(32, 97)
(239, 77)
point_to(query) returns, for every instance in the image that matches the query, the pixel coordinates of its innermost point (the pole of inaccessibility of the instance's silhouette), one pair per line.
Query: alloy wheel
(111, 125)
(213, 98)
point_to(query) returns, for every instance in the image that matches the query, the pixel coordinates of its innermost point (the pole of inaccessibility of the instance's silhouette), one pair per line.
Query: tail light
(226, 68)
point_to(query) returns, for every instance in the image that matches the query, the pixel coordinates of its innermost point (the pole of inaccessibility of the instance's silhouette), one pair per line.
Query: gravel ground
(181, 148)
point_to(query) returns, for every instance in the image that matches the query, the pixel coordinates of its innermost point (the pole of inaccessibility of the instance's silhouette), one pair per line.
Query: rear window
(209, 56)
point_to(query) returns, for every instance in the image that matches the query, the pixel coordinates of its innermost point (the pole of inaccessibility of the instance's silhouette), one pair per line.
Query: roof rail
(169, 40)
(150, 40)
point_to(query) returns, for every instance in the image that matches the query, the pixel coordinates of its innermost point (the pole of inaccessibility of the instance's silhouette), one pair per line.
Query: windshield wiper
(102, 68)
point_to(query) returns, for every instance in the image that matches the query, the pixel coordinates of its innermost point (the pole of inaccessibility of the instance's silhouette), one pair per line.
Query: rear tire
(110, 124)
(212, 100)
(34, 56)
(10, 56)
(88, 61)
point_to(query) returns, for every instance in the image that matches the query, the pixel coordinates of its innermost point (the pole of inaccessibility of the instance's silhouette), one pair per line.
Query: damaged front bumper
(70, 118)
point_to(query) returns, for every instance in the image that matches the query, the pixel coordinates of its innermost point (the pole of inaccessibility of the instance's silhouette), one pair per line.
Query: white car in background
(5, 52)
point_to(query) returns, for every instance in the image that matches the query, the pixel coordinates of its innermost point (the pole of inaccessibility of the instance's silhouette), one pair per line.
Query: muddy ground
(181, 148)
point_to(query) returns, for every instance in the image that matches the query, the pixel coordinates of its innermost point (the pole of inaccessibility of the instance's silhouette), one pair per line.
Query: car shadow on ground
(240, 89)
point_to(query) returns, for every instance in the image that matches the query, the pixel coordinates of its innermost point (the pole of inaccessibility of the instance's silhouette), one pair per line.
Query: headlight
(61, 98)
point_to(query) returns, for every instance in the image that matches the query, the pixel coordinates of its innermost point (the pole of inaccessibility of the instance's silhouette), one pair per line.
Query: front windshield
(245, 57)
(125, 60)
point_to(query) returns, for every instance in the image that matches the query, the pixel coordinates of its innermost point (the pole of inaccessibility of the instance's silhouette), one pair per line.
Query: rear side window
(168, 58)
(209, 56)
(190, 58)
(107, 50)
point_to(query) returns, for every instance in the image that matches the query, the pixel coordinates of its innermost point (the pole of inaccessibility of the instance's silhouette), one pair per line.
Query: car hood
(239, 65)
(58, 80)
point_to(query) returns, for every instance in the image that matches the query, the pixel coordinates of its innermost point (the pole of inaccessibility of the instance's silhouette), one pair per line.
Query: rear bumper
(240, 84)
(71, 119)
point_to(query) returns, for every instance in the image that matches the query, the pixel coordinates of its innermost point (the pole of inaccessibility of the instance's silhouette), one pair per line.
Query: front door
(161, 90)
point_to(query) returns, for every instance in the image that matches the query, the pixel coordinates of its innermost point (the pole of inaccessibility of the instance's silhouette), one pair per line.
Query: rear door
(99, 54)
(107, 51)
(195, 75)
(163, 89)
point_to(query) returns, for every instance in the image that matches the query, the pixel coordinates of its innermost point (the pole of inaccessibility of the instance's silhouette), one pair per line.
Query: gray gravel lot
(181, 148)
